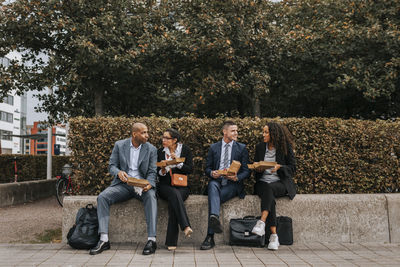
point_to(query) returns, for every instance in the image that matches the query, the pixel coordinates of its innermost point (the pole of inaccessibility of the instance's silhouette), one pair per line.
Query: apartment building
(38, 142)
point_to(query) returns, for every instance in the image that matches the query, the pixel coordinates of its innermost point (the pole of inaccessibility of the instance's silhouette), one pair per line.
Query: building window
(5, 116)
(42, 146)
(9, 99)
(6, 135)
(6, 150)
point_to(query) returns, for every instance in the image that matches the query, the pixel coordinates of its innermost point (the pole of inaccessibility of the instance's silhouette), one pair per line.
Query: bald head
(137, 127)
(140, 134)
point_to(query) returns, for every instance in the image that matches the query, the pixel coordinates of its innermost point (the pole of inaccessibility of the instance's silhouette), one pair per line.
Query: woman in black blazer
(175, 195)
(275, 182)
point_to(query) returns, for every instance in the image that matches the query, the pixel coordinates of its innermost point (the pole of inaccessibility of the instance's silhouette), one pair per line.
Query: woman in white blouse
(175, 195)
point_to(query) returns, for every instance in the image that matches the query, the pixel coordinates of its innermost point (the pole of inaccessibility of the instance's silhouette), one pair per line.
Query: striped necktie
(226, 163)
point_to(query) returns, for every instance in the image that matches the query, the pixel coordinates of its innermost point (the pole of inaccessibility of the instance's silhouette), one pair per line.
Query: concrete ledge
(316, 217)
(18, 193)
(393, 201)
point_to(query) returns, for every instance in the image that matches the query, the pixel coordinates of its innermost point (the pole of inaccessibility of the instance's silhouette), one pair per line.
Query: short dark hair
(174, 134)
(227, 124)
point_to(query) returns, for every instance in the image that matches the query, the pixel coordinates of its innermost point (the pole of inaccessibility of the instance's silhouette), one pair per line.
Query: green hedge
(30, 167)
(333, 155)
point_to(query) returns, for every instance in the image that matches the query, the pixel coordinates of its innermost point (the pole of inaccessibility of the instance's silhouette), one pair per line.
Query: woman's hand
(276, 168)
(173, 156)
(163, 170)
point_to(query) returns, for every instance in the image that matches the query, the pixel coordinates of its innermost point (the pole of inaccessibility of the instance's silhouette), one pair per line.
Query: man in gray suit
(132, 157)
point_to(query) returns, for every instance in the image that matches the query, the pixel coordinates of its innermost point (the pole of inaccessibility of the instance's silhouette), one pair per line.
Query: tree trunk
(98, 102)
(256, 107)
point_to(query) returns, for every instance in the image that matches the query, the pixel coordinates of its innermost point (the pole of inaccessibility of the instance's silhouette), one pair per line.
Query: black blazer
(286, 171)
(187, 167)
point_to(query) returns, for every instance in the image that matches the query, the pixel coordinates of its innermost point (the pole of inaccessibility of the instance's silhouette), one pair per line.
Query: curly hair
(280, 136)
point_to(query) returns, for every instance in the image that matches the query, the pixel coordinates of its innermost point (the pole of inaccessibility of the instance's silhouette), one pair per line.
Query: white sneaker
(259, 228)
(273, 242)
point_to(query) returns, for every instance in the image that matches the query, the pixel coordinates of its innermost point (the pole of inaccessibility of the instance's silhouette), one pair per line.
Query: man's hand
(123, 176)
(232, 178)
(173, 156)
(276, 168)
(147, 188)
(215, 175)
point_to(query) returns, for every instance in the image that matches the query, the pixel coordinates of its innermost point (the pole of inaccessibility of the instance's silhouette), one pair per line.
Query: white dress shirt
(133, 162)
(178, 152)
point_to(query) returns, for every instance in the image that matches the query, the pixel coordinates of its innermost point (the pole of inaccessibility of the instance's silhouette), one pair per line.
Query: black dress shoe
(215, 224)
(208, 243)
(150, 247)
(100, 247)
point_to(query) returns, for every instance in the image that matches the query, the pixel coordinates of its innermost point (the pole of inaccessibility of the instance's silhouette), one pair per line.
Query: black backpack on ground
(84, 233)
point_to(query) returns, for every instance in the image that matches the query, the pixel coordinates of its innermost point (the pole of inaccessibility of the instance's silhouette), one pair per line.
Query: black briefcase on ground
(284, 229)
(240, 233)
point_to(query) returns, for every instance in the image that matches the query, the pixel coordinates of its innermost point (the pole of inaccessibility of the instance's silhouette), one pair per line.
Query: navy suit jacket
(120, 157)
(239, 153)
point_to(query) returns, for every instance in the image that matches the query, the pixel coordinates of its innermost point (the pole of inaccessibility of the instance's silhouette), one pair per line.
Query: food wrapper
(232, 170)
(262, 164)
(165, 163)
(137, 182)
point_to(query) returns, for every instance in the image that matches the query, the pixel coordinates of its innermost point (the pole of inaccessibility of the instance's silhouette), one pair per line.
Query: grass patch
(49, 236)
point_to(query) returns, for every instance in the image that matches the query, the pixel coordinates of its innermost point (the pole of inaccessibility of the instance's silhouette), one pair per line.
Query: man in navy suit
(223, 188)
(131, 157)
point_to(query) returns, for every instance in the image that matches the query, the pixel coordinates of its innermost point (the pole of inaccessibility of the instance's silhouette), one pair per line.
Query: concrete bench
(316, 217)
(22, 192)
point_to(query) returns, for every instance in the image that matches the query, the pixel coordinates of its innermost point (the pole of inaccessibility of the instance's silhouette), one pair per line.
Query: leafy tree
(92, 51)
(232, 46)
(342, 59)
(207, 58)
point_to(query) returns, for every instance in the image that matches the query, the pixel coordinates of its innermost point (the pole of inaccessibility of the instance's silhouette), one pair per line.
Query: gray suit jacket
(120, 156)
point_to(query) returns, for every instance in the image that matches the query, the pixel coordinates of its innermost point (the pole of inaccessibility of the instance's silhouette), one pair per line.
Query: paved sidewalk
(313, 254)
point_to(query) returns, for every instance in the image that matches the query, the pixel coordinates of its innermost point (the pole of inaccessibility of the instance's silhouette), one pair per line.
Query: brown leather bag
(178, 179)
